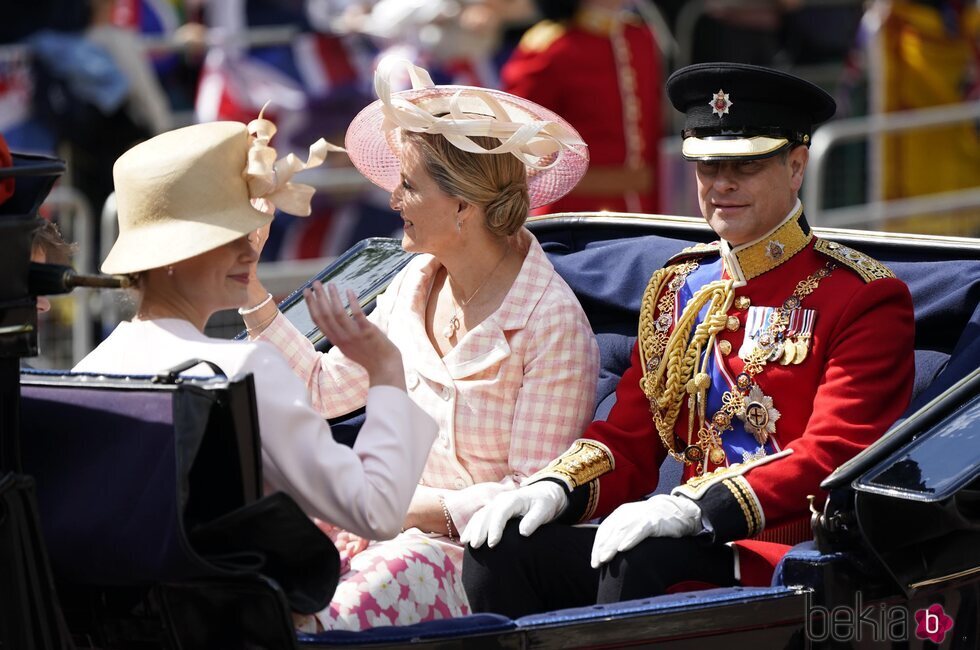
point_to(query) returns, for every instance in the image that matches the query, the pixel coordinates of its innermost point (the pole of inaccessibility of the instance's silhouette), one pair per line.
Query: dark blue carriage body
(890, 539)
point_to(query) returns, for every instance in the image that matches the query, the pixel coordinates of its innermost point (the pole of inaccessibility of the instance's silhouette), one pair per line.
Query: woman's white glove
(662, 515)
(537, 503)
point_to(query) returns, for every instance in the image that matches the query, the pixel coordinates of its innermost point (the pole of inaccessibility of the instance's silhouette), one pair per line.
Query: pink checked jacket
(511, 396)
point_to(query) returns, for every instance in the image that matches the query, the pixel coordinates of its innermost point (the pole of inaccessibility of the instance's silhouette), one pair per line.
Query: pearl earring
(170, 270)
(459, 226)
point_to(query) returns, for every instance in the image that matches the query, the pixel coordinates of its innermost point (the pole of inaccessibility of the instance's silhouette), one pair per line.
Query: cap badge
(720, 103)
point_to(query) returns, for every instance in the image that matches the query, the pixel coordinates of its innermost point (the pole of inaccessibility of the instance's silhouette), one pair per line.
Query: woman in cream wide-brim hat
(185, 211)
(496, 347)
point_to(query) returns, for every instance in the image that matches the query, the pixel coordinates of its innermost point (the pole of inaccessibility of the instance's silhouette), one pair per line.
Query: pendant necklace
(453, 325)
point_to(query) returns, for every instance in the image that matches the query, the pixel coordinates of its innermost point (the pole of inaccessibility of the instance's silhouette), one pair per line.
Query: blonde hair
(495, 182)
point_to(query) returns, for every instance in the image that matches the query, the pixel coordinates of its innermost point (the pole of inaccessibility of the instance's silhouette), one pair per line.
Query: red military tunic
(574, 69)
(854, 382)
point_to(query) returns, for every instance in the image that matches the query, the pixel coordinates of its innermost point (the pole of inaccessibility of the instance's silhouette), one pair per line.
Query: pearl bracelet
(242, 311)
(449, 520)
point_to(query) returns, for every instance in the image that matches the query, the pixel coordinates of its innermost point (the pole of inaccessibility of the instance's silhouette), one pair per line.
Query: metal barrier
(217, 37)
(874, 213)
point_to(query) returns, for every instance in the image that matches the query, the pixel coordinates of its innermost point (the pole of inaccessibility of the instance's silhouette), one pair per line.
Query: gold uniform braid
(683, 350)
(647, 320)
(666, 385)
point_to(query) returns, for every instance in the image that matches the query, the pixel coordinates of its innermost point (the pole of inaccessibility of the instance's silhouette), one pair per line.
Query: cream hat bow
(190, 190)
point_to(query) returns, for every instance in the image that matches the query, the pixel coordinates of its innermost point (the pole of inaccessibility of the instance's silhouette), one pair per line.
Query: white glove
(662, 515)
(538, 503)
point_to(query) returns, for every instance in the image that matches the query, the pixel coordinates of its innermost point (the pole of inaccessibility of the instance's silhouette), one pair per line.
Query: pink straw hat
(554, 153)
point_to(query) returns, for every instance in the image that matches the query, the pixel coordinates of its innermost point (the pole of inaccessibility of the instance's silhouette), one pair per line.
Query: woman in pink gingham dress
(495, 345)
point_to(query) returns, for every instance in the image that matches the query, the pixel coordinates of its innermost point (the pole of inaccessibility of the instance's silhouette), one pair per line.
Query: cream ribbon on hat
(268, 179)
(529, 141)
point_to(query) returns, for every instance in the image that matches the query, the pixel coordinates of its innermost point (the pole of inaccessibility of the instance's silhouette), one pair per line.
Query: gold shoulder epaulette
(540, 37)
(698, 250)
(868, 268)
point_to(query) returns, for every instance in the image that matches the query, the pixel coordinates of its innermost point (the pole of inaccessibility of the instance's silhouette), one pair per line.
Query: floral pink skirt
(412, 578)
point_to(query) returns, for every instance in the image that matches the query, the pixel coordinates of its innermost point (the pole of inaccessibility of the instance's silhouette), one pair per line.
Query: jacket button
(459, 483)
(412, 379)
(447, 393)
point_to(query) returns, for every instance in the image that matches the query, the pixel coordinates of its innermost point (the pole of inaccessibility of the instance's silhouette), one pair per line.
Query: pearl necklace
(453, 325)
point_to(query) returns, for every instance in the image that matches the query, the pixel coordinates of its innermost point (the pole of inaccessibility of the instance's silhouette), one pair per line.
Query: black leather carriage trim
(118, 382)
(172, 375)
(191, 451)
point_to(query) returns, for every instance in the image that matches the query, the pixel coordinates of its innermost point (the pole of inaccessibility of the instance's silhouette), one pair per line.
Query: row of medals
(755, 414)
(790, 349)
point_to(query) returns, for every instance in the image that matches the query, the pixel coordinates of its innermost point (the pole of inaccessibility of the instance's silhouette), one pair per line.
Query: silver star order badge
(774, 250)
(720, 103)
(759, 415)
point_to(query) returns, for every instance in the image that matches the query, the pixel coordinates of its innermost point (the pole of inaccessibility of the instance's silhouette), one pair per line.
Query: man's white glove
(662, 515)
(538, 503)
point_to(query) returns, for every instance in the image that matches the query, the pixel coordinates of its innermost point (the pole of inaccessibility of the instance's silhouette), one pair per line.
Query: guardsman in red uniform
(600, 68)
(763, 362)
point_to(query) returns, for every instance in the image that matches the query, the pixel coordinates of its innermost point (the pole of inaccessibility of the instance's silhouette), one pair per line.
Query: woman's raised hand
(256, 291)
(257, 238)
(355, 335)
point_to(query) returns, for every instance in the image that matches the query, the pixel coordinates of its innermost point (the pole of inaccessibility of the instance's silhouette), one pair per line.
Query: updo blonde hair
(495, 182)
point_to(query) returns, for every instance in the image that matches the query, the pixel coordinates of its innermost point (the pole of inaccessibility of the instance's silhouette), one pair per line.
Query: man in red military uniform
(599, 67)
(763, 362)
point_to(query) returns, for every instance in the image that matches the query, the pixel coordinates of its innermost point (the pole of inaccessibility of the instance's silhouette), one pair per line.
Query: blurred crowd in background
(87, 80)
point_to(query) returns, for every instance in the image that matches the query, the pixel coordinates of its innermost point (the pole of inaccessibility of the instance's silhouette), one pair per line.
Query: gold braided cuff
(727, 500)
(591, 503)
(585, 461)
(698, 485)
(748, 502)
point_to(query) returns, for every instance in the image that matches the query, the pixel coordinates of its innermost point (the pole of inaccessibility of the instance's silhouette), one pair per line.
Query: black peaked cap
(736, 100)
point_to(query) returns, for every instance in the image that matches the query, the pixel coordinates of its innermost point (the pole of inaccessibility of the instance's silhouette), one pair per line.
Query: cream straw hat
(191, 190)
(554, 153)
